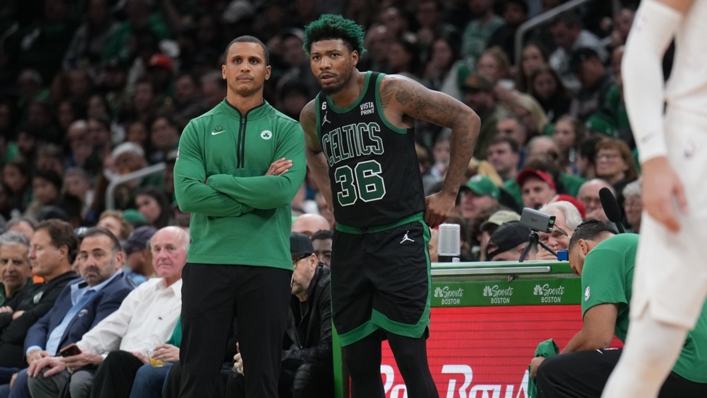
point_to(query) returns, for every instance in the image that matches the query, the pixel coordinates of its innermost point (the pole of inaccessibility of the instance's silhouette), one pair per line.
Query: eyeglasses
(294, 262)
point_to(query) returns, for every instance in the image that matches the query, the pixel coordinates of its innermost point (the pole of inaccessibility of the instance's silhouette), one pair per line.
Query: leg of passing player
(652, 347)
(363, 359)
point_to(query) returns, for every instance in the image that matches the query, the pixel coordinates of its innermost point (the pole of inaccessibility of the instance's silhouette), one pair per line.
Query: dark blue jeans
(19, 388)
(149, 381)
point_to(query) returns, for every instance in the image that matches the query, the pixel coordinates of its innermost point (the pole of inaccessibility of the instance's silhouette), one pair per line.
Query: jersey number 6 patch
(364, 182)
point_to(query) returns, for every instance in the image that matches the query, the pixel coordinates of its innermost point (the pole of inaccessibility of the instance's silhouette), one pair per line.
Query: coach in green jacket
(239, 262)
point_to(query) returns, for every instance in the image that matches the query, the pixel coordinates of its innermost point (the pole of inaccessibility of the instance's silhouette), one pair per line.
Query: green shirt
(607, 277)
(176, 338)
(476, 36)
(240, 215)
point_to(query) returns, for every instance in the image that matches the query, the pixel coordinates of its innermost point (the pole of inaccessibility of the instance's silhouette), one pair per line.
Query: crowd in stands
(91, 90)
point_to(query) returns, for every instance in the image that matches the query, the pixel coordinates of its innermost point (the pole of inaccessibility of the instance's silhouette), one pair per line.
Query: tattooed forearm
(420, 103)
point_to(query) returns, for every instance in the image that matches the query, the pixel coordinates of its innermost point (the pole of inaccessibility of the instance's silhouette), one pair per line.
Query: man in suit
(81, 305)
(52, 251)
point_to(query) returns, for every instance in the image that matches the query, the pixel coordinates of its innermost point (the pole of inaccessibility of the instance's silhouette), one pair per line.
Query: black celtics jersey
(373, 168)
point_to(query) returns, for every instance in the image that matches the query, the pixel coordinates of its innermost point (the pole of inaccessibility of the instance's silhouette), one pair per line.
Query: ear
(583, 248)
(120, 259)
(64, 250)
(268, 71)
(223, 72)
(354, 57)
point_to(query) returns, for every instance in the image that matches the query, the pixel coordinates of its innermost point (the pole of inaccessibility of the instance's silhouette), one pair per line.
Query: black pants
(584, 374)
(308, 380)
(115, 376)
(212, 295)
(363, 359)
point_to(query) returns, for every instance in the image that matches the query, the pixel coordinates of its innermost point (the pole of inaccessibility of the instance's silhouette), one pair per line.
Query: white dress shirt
(145, 319)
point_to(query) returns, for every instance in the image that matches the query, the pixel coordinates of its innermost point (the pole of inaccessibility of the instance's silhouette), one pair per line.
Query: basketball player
(360, 148)
(670, 281)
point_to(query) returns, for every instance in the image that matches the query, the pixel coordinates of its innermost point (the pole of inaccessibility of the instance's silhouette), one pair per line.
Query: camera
(537, 220)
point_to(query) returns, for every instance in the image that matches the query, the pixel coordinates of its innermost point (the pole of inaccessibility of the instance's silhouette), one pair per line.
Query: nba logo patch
(586, 294)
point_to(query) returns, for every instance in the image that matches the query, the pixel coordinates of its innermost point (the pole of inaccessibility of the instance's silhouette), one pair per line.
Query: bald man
(309, 224)
(589, 196)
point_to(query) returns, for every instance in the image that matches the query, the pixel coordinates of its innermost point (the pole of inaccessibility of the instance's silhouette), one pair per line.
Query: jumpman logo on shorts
(405, 238)
(325, 119)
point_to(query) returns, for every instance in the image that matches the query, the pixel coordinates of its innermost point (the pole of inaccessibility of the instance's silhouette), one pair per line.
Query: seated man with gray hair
(633, 206)
(567, 218)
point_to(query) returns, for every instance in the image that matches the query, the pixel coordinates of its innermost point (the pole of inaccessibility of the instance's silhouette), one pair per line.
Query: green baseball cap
(482, 185)
(600, 123)
(131, 215)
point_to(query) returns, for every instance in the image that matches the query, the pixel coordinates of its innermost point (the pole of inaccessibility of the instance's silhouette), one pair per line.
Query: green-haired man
(360, 149)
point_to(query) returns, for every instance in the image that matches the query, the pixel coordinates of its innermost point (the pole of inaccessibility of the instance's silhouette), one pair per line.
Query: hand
(166, 353)
(36, 355)
(279, 167)
(438, 208)
(238, 363)
(12, 379)
(544, 254)
(5, 309)
(660, 185)
(142, 357)
(17, 315)
(81, 360)
(54, 364)
(534, 366)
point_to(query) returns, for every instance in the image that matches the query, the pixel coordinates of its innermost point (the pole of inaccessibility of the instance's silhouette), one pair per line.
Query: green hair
(334, 27)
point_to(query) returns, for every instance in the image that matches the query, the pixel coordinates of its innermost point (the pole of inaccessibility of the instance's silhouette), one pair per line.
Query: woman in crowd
(494, 65)
(532, 57)
(547, 88)
(153, 204)
(443, 54)
(566, 135)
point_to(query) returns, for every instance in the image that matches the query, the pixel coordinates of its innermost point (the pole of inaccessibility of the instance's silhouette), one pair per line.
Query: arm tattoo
(420, 103)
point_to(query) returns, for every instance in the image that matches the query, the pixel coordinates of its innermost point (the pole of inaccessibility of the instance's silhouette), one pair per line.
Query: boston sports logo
(449, 296)
(548, 294)
(498, 295)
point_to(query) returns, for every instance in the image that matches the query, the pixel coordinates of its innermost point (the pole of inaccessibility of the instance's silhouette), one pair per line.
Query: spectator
(15, 270)
(404, 58)
(139, 15)
(589, 196)
(569, 35)
(595, 82)
(24, 225)
(293, 97)
(508, 243)
(309, 224)
(144, 104)
(81, 304)
(488, 227)
(298, 70)
(537, 188)
(513, 128)
(567, 218)
(532, 58)
(566, 135)
(146, 318)
(321, 241)
(5, 203)
(114, 221)
(442, 66)
(164, 137)
(16, 175)
(137, 252)
(476, 194)
(529, 112)
(168, 176)
(493, 65)
(480, 30)
(542, 147)
(515, 13)
(153, 204)
(633, 206)
(479, 97)
(138, 133)
(622, 25)
(213, 89)
(503, 154)
(547, 88)
(53, 250)
(99, 134)
(378, 41)
(76, 184)
(615, 164)
(306, 363)
(112, 80)
(46, 186)
(80, 148)
(586, 168)
(50, 157)
(160, 70)
(187, 101)
(90, 38)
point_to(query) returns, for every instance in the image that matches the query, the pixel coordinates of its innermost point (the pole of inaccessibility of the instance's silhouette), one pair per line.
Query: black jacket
(309, 325)
(35, 302)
